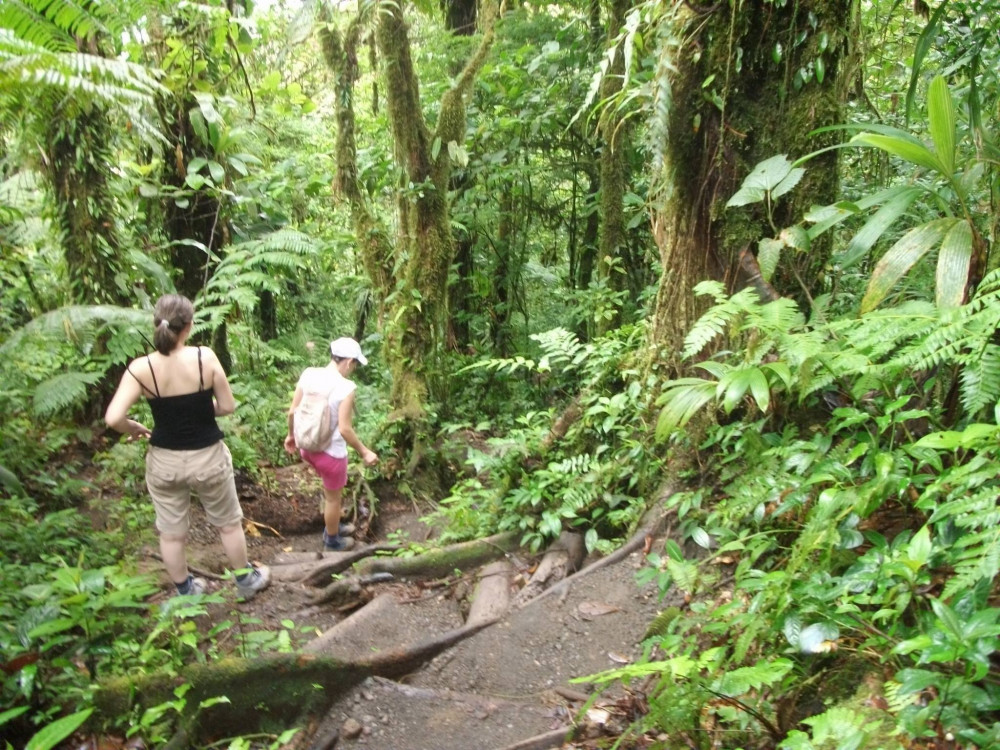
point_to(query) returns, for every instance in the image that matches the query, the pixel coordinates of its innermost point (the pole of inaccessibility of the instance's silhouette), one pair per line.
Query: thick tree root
(651, 524)
(563, 558)
(548, 741)
(315, 568)
(491, 599)
(444, 561)
(347, 591)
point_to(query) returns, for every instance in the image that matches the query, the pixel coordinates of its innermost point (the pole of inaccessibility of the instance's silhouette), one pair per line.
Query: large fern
(40, 42)
(74, 320)
(63, 391)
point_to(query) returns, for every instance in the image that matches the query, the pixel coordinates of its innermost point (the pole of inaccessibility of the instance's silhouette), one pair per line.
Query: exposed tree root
(266, 690)
(554, 739)
(346, 592)
(444, 561)
(563, 558)
(492, 596)
(650, 525)
(315, 568)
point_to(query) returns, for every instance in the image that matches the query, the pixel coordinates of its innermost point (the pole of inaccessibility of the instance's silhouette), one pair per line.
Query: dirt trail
(509, 686)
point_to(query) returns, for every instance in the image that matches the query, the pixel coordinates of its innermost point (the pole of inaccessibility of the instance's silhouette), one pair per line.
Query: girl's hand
(370, 458)
(138, 431)
(290, 445)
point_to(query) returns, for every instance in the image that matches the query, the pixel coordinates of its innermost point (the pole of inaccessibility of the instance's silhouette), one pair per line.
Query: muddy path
(484, 650)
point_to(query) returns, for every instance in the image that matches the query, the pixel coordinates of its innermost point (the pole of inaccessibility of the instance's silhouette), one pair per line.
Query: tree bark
(717, 130)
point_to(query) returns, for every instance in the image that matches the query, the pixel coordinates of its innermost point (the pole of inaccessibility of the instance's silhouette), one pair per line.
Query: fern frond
(716, 320)
(979, 561)
(63, 391)
(51, 24)
(980, 379)
(73, 320)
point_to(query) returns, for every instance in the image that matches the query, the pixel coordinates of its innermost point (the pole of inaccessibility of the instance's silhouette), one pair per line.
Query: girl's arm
(345, 415)
(290, 438)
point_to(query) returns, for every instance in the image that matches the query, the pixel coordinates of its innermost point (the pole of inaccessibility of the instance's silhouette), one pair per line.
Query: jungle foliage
(516, 219)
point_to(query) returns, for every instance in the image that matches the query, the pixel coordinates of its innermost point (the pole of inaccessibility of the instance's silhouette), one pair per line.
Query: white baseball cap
(348, 348)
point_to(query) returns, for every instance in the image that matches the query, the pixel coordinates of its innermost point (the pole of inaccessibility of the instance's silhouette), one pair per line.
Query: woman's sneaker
(336, 543)
(192, 586)
(258, 579)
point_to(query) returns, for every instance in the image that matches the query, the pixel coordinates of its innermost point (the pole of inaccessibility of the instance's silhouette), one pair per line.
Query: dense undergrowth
(843, 547)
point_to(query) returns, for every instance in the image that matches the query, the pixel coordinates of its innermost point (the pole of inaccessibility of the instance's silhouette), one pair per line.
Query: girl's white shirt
(321, 379)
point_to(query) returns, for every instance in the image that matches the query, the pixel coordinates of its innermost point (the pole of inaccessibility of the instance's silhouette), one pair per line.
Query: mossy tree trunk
(78, 152)
(614, 132)
(409, 273)
(738, 97)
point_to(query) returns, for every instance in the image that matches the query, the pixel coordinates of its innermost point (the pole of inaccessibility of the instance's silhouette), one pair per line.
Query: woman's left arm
(116, 416)
(225, 403)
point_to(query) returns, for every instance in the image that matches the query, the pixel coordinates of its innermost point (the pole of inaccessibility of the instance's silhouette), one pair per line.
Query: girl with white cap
(331, 462)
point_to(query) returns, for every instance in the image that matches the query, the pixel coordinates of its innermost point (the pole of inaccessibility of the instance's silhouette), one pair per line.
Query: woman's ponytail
(172, 313)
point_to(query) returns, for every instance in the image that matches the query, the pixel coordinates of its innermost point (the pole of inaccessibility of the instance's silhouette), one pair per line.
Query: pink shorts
(333, 471)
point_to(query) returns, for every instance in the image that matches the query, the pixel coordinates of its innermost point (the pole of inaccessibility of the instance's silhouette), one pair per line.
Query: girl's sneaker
(336, 543)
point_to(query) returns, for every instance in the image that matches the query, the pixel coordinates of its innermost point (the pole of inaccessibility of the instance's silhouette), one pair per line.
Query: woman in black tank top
(187, 389)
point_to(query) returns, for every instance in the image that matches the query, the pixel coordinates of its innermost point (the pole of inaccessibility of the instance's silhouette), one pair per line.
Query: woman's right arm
(116, 417)
(225, 402)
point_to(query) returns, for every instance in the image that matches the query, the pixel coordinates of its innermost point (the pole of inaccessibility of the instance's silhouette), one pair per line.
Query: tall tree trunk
(77, 160)
(732, 106)
(613, 165)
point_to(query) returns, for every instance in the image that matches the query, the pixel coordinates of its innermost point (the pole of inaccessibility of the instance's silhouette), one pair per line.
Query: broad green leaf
(760, 389)
(217, 171)
(746, 195)
(875, 227)
(734, 385)
(820, 69)
(768, 254)
(701, 537)
(795, 236)
(682, 401)
(919, 548)
(904, 148)
(769, 173)
(953, 265)
(57, 731)
(941, 116)
(900, 258)
(196, 164)
(788, 182)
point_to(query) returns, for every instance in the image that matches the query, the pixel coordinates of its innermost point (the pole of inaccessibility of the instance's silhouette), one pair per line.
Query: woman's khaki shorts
(171, 476)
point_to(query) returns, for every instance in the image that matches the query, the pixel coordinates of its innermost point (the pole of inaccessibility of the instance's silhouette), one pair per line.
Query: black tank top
(185, 422)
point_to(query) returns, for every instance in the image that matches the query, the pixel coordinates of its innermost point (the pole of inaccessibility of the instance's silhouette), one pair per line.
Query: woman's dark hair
(171, 314)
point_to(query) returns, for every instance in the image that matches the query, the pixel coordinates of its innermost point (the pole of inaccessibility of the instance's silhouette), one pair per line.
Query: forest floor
(511, 685)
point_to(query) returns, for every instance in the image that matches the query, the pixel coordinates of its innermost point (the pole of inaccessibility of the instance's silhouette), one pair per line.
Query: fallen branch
(260, 525)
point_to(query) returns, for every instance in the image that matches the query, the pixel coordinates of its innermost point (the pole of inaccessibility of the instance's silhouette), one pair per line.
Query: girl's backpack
(311, 421)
